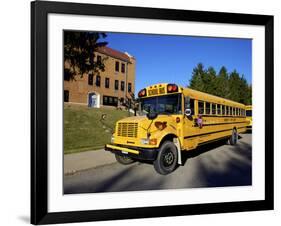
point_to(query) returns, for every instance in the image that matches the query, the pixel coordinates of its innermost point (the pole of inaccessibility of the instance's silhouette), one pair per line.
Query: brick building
(107, 88)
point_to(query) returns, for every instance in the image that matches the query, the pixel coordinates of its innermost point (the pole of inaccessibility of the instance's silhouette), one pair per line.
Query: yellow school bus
(249, 117)
(173, 119)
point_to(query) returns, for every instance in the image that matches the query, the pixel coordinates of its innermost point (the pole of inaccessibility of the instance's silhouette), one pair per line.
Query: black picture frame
(39, 112)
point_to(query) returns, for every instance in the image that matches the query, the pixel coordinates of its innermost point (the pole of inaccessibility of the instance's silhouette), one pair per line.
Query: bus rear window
(249, 113)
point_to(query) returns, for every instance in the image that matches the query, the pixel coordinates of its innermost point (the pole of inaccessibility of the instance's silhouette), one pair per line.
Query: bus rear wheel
(167, 158)
(234, 137)
(124, 160)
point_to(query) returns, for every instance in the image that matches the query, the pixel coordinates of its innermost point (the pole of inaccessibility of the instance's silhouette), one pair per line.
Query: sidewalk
(86, 160)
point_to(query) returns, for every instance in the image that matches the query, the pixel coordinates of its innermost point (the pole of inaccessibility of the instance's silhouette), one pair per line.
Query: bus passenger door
(189, 124)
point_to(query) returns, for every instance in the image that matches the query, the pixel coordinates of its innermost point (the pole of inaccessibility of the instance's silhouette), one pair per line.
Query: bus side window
(214, 109)
(189, 104)
(218, 109)
(223, 110)
(207, 109)
(200, 107)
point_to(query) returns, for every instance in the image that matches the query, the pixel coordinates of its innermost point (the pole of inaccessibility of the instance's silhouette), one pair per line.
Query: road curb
(76, 162)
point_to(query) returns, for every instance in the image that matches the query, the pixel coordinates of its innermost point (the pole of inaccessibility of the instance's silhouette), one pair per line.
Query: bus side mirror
(187, 112)
(151, 115)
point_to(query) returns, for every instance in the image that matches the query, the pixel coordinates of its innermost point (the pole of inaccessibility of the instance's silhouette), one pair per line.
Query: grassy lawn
(83, 130)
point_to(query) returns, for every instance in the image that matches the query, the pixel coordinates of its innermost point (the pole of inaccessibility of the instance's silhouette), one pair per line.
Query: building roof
(115, 53)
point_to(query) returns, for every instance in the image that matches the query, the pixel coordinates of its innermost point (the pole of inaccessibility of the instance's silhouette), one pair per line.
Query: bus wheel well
(168, 137)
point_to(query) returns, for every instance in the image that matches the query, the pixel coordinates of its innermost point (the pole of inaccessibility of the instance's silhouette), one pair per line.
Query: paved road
(213, 165)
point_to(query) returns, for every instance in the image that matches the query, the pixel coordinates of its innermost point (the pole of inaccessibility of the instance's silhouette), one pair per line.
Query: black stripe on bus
(210, 141)
(225, 116)
(214, 124)
(202, 134)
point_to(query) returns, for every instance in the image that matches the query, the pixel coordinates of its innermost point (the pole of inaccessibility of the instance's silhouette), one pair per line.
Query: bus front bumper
(135, 153)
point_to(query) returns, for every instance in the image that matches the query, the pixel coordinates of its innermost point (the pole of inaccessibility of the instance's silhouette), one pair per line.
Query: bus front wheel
(167, 158)
(234, 137)
(124, 160)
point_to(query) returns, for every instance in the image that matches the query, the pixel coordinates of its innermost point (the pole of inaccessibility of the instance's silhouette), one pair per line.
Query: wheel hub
(168, 158)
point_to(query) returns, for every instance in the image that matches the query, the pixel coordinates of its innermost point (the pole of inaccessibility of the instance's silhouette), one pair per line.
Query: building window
(106, 82)
(98, 80)
(116, 85)
(90, 79)
(123, 68)
(110, 101)
(122, 85)
(129, 87)
(66, 96)
(98, 59)
(116, 66)
(66, 75)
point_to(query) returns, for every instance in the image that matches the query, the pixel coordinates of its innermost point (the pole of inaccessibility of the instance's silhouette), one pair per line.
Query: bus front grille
(127, 129)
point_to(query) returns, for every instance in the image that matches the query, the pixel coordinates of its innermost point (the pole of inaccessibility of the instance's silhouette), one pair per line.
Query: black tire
(234, 137)
(167, 158)
(124, 160)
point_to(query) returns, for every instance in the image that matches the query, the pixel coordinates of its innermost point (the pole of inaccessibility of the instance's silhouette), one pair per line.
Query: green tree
(231, 86)
(222, 89)
(234, 86)
(79, 52)
(197, 80)
(249, 95)
(210, 81)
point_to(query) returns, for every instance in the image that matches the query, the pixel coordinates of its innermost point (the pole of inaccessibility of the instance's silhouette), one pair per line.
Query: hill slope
(83, 129)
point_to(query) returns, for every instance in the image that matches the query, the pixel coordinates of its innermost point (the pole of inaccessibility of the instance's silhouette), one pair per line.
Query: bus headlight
(112, 138)
(149, 141)
(144, 141)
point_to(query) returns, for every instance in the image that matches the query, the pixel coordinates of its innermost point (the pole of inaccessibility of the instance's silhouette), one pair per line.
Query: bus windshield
(168, 104)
